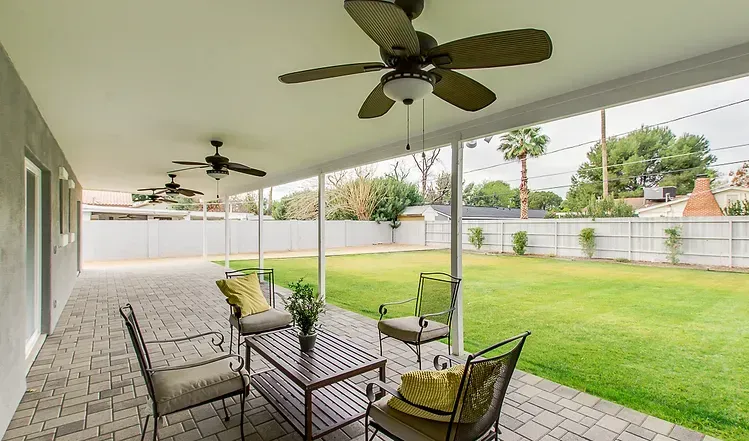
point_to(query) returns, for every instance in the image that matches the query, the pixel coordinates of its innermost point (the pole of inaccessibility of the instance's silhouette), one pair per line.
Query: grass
(669, 342)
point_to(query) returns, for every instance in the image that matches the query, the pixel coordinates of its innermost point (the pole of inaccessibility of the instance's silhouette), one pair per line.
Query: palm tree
(520, 144)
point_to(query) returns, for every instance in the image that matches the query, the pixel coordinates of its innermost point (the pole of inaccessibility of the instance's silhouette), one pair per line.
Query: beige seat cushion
(407, 329)
(406, 427)
(181, 388)
(262, 322)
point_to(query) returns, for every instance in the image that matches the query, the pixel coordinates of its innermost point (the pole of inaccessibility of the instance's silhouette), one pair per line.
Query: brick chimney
(702, 201)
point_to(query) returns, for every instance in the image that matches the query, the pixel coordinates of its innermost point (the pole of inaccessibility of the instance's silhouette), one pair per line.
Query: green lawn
(670, 342)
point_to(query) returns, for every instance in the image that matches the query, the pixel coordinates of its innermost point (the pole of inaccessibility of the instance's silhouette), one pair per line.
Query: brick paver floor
(85, 384)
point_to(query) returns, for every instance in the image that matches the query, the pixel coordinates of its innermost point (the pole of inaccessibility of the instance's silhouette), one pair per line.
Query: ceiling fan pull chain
(408, 127)
(423, 118)
(217, 197)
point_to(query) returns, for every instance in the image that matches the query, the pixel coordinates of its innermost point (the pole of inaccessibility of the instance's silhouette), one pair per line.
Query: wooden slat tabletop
(333, 358)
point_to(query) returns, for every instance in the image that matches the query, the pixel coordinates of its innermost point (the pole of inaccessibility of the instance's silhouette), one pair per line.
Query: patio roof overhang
(127, 87)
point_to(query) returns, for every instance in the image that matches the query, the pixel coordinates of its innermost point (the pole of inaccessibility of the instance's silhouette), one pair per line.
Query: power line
(626, 178)
(633, 162)
(701, 112)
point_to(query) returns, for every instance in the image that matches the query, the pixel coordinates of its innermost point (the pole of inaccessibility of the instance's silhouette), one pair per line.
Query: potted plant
(305, 308)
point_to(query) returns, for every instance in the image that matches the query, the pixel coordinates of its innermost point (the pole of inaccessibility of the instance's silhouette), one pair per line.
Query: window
(63, 188)
(72, 212)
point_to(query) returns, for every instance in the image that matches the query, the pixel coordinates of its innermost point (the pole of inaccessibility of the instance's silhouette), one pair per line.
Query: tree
(607, 207)
(439, 191)
(356, 198)
(399, 172)
(491, 194)
(243, 203)
(519, 145)
(425, 163)
(647, 157)
(740, 177)
(269, 205)
(396, 195)
(544, 200)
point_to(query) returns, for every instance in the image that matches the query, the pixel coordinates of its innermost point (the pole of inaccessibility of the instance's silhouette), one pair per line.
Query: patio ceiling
(126, 87)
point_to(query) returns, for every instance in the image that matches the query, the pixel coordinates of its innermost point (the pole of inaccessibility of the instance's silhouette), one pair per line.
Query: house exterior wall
(674, 210)
(24, 134)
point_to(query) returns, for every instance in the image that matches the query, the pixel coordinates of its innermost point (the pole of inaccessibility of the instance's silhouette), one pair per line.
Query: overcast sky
(722, 128)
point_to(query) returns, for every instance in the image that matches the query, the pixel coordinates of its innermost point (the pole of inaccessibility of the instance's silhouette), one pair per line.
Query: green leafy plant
(737, 208)
(304, 306)
(674, 241)
(476, 237)
(587, 239)
(519, 242)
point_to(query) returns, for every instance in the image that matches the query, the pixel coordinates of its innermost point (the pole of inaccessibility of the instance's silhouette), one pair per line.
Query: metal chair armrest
(372, 397)
(451, 358)
(423, 318)
(383, 309)
(191, 337)
(201, 363)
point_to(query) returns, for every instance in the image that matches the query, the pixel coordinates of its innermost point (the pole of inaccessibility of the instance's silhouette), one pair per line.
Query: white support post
(456, 242)
(629, 240)
(227, 232)
(205, 241)
(321, 236)
(556, 237)
(501, 237)
(260, 209)
(730, 243)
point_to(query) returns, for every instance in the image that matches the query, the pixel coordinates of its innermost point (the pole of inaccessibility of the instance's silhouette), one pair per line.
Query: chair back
(265, 277)
(482, 391)
(136, 338)
(437, 293)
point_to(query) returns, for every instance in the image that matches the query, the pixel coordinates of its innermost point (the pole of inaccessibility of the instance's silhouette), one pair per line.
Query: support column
(456, 241)
(321, 235)
(227, 232)
(260, 210)
(205, 241)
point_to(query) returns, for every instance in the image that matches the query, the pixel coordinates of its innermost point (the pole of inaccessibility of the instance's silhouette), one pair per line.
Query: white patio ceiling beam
(705, 69)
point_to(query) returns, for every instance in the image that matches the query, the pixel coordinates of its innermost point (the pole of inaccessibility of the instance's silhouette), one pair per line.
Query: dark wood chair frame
(147, 370)
(491, 433)
(424, 318)
(267, 275)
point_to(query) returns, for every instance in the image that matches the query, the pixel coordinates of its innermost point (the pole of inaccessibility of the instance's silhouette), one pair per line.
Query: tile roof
(107, 198)
(471, 212)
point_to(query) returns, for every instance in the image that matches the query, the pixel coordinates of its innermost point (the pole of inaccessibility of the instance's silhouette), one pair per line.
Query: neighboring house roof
(475, 213)
(641, 202)
(107, 198)
(682, 198)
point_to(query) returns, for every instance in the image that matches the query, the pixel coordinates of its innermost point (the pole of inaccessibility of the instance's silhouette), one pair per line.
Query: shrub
(622, 260)
(587, 238)
(519, 242)
(476, 237)
(674, 242)
(737, 208)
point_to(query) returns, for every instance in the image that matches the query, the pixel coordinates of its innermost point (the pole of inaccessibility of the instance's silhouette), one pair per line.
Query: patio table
(313, 391)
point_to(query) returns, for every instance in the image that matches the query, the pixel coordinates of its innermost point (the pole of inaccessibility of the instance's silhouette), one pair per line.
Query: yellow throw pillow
(434, 389)
(244, 293)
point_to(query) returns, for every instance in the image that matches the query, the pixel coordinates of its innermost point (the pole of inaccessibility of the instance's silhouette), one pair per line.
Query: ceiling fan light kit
(407, 87)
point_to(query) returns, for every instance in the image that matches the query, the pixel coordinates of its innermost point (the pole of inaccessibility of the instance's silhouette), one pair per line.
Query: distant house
(442, 213)
(701, 202)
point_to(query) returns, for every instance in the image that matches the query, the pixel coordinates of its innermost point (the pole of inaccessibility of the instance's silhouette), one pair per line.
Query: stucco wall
(24, 133)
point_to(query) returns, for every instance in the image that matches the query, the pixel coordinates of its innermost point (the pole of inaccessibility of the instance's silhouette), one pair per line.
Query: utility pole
(604, 155)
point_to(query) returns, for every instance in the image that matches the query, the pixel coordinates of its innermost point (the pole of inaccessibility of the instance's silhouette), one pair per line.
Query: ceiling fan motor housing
(217, 173)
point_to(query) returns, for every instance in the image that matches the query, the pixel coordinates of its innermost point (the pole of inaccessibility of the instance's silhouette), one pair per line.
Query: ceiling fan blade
(461, 91)
(162, 191)
(241, 168)
(150, 189)
(168, 201)
(189, 163)
(330, 72)
(376, 104)
(189, 168)
(386, 24)
(187, 192)
(507, 48)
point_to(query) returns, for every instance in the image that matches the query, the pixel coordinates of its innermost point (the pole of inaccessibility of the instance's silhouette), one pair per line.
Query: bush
(519, 242)
(737, 208)
(587, 238)
(476, 237)
(674, 242)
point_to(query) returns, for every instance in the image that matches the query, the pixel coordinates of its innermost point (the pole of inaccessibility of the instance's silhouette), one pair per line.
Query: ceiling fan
(154, 198)
(171, 189)
(408, 52)
(219, 166)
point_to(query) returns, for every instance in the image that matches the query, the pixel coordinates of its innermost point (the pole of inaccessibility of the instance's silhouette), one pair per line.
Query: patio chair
(433, 313)
(270, 320)
(175, 388)
(475, 414)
